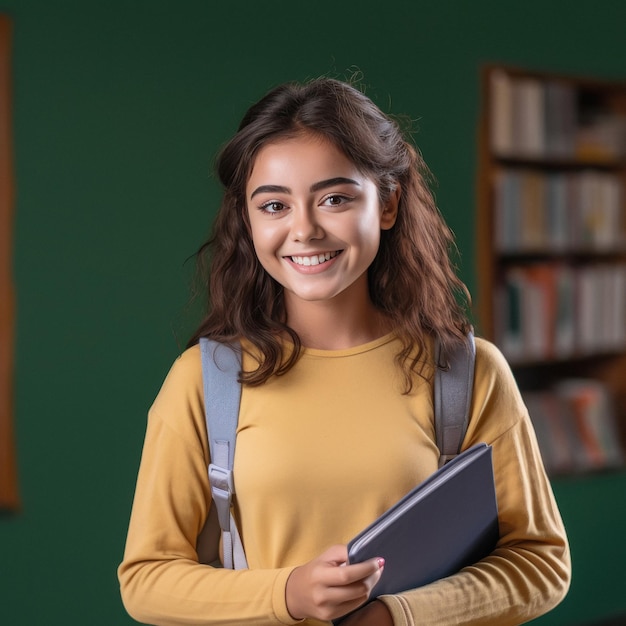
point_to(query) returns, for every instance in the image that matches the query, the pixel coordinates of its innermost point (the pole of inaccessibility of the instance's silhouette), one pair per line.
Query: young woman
(329, 263)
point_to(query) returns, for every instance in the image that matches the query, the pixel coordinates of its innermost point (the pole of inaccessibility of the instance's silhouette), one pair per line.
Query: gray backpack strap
(222, 393)
(453, 396)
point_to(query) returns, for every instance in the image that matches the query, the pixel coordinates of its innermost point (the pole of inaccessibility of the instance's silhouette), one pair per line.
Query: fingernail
(381, 562)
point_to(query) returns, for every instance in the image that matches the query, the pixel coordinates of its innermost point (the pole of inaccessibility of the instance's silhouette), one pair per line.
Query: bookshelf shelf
(576, 359)
(552, 255)
(570, 255)
(608, 164)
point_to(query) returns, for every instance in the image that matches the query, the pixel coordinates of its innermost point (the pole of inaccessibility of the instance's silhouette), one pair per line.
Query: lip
(312, 269)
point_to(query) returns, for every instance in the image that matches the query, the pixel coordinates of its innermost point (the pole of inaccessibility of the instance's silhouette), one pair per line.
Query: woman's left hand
(372, 614)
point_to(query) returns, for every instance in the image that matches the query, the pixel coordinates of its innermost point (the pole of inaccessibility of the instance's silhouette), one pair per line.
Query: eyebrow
(322, 184)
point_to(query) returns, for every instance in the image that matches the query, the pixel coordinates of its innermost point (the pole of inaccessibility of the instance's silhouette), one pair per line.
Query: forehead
(305, 155)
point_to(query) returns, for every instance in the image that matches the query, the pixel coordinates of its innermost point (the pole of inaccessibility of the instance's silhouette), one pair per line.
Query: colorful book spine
(575, 426)
(552, 310)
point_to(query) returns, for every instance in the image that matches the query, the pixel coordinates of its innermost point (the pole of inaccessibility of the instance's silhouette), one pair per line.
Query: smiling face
(315, 219)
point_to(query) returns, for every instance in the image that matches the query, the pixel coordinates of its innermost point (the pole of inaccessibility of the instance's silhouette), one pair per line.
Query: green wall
(119, 107)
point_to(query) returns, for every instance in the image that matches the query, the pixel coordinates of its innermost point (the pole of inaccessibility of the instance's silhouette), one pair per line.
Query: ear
(390, 210)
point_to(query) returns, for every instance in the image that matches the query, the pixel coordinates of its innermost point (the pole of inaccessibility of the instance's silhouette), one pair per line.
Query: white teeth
(315, 259)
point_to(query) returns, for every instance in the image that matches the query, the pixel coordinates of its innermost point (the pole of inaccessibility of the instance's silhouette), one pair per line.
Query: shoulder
(185, 372)
(491, 364)
(180, 401)
(489, 354)
(497, 404)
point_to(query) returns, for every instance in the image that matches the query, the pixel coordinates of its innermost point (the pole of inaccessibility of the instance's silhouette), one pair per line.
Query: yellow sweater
(321, 452)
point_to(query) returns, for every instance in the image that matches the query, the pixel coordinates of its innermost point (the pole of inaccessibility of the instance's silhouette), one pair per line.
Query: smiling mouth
(315, 259)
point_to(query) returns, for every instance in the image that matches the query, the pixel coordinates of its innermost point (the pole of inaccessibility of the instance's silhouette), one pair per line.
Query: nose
(304, 224)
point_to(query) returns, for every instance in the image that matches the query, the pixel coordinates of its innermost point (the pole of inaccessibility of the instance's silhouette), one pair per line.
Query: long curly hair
(412, 279)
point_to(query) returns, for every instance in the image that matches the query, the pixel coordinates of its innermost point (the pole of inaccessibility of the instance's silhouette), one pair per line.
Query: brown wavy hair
(412, 279)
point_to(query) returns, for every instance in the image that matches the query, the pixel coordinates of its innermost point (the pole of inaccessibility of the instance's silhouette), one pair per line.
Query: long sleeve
(161, 580)
(529, 571)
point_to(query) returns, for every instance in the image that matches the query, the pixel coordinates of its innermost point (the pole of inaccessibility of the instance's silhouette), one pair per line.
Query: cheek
(265, 240)
(263, 253)
(367, 231)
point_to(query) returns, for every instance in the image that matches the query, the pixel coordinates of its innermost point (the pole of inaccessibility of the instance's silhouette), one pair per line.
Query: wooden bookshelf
(8, 480)
(551, 230)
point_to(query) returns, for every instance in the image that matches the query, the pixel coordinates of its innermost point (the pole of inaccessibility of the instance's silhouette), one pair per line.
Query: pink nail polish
(381, 562)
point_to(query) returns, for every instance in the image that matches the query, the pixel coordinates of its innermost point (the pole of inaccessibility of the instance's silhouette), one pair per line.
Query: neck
(338, 324)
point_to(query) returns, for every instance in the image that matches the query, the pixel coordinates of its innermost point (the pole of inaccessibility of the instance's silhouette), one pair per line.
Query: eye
(335, 199)
(272, 207)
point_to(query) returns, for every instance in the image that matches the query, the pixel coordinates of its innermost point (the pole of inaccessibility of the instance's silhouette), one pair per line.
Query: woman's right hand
(327, 588)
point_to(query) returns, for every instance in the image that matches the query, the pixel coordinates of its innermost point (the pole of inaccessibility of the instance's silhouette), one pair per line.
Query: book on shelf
(528, 117)
(598, 204)
(536, 211)
(560, 119)
(535, 312)
(575, 426)
(564, 320)
(600, 307)
(561, 450)
(552, 310)
(534, 118)
(508, 322)
(557, 206)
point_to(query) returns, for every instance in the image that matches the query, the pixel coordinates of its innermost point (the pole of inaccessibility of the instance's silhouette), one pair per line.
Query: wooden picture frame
(9, 499)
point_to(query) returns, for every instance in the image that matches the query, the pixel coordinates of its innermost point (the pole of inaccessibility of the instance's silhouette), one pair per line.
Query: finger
(357, 591)
(349, 574)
